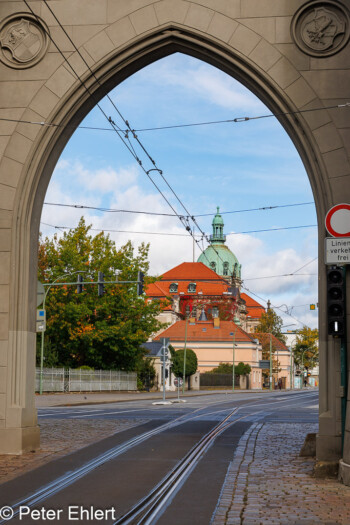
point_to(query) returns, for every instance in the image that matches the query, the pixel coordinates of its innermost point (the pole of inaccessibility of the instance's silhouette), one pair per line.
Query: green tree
(242, 369)
(177, 366)
(226, 368)
(84, 329)
(271, 323)
(146, 373)
(305, 350)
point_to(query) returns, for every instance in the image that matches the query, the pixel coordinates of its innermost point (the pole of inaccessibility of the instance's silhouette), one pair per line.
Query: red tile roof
(254, 309)
(205, 331)
(208, 282)
(190, 271)
(265, 339)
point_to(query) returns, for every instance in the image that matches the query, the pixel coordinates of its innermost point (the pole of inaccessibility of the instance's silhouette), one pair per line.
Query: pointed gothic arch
(118, 40)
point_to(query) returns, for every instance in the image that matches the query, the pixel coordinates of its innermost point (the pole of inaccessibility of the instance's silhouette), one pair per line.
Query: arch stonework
(250, 40)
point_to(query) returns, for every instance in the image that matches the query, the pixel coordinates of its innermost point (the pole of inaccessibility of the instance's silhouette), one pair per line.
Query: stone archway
(251, 40)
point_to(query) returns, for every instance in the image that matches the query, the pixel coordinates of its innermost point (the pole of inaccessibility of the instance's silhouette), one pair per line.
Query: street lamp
(43, 332)
(233, 358)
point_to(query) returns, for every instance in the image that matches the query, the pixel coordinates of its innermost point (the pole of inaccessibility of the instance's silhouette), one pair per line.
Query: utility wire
(183, 220)
(273, 229)
(117, 130)
(273, 306)
(281, 275)
(109, 119)
(295, 271)
(129, 129)
(183, 234)
(175, 126)
(112, 210)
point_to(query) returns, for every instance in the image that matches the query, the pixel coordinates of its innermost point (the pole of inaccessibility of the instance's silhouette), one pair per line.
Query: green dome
(218, 256)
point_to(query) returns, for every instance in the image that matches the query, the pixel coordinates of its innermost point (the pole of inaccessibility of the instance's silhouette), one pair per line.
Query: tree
(227, 368)
(84, 329)
(177, 358)
(305, 350)
(146, 374)
(271, 323)
(242, 369)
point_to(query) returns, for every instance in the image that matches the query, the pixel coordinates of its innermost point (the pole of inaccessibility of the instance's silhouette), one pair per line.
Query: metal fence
(77, 380)
(53, 379)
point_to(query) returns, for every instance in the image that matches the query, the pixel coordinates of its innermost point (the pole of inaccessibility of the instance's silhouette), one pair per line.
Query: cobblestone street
(268, 483)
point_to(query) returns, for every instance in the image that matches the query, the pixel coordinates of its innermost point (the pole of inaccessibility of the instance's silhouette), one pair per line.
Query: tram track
(158, 497)
(146, 511)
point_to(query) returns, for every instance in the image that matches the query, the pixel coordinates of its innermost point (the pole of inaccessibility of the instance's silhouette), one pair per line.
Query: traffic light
(336, 301)
(101, 286)
(79, 284)
(140, 283)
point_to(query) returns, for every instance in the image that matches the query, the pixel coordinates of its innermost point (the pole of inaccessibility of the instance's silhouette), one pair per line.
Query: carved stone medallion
(23, 40)
(321, 28)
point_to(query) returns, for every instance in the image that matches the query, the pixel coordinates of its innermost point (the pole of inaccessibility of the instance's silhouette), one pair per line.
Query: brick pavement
(268, 483)
(59, 439)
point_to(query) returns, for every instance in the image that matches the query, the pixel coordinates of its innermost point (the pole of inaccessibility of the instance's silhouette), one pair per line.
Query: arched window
(225, 268)
(215, 312)
(213, 266)
(173, 288)
(191, 288)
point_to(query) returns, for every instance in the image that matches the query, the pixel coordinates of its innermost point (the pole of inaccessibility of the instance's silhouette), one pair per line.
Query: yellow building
(213, 342)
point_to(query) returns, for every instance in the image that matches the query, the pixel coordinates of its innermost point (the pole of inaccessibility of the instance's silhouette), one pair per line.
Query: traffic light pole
(343, 371)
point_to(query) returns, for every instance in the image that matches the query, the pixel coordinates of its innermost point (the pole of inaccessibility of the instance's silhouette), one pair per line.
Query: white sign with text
(337, 250)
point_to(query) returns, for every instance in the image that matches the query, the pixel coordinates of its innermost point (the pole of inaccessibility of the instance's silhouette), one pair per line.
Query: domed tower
(218, 256)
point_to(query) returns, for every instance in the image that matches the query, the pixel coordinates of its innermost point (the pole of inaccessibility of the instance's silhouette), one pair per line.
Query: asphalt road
(117, 484)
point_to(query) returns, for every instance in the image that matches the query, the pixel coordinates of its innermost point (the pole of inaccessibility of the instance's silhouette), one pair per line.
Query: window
(225, 268)
(191, 288)
(213, 266)
(173, 288)
(215, 312)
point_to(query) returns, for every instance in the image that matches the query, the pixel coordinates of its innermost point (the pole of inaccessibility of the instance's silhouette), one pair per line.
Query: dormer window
(225, 268)
(173, 288)
(191, 288)
(213, 266)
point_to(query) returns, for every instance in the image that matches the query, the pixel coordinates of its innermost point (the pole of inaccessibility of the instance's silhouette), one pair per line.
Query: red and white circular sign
(338, 220)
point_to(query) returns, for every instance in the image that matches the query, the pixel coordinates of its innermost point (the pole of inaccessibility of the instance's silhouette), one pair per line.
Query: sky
(236, 166)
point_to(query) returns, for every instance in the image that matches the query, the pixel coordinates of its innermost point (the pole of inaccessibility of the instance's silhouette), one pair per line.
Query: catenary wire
(131, 149)
(113, 210)
(175, 126)
(184, 234)
(109, 119)
(183, 220)
(129, 129)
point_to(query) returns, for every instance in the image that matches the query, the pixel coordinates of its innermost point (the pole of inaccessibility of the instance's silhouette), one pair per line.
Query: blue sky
(235, 166)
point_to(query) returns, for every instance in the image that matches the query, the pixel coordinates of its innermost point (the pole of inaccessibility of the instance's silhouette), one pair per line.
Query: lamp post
(270, 362)
(184, 370)
(43, 332)
(233, 358)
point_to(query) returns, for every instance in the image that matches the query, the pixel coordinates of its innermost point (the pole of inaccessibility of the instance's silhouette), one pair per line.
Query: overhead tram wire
(129, 129)
(177, 126)
(117, 130)
(112, 210)
(183, 220)
(273, 306)
(180, 234)
(112, 123)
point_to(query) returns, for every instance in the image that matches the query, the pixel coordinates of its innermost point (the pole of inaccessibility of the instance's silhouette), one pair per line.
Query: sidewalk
(91, 398)
(268, 483)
